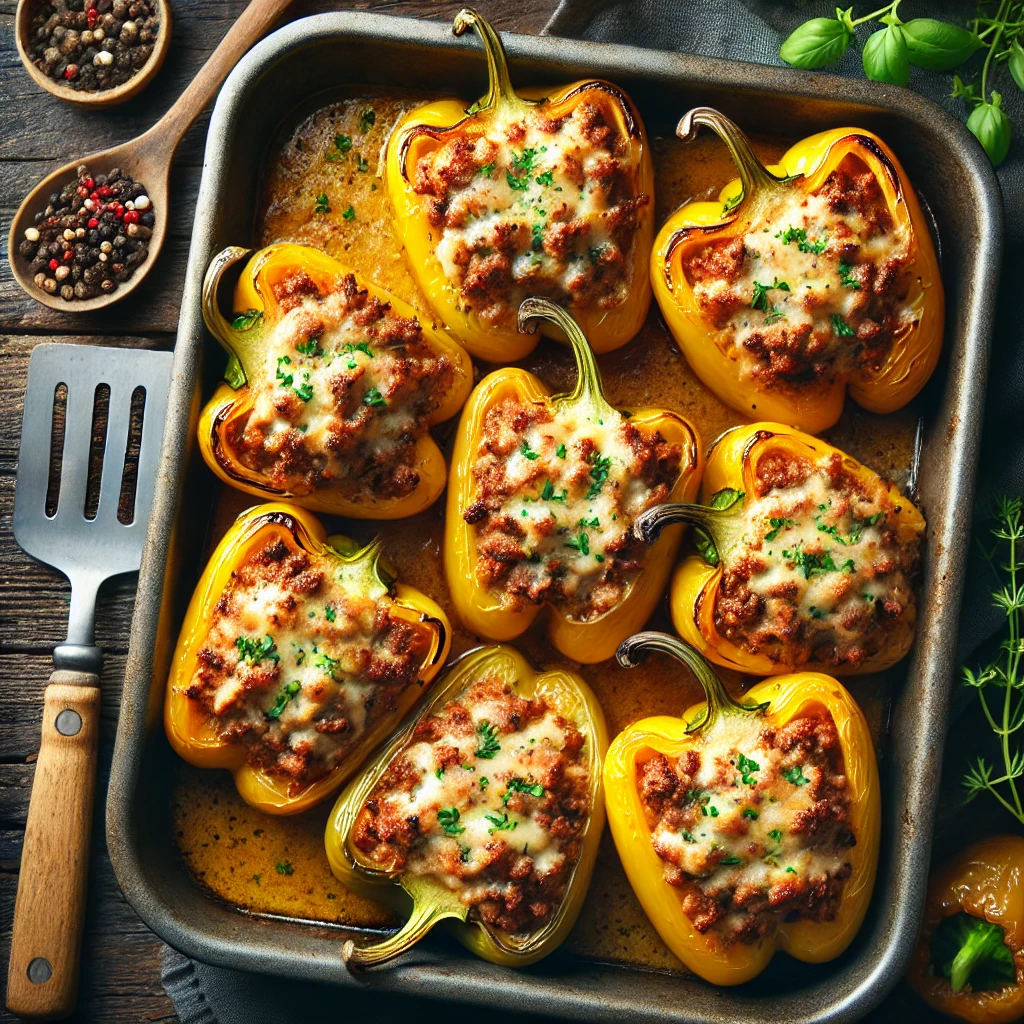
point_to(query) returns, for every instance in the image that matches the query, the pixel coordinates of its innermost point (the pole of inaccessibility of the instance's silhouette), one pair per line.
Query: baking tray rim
(591, 995)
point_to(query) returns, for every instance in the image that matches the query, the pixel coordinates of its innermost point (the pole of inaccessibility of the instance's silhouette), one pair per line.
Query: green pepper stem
(423, 917)
(632, 650)
(648, 525)
(754, 176)
(241, 345)
(589, 387)
(499, 88)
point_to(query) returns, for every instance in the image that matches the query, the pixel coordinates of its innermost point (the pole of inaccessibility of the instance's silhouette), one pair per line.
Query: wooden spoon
(147, 159)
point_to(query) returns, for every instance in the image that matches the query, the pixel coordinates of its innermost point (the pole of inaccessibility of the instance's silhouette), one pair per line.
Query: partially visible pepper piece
(969, 961)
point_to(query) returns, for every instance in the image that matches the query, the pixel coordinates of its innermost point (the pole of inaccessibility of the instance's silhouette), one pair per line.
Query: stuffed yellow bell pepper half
(746, 828)
(543, 492)
(298, 654)
(809, 278)
(485, 811)
(331, 388)
(805, 558)
(542, 192)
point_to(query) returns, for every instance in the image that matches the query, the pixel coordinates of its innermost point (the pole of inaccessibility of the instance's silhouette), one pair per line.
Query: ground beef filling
(756, 832)
(820, 573)
(535, 207)
(819, 291)
(554, 501)
(491, 798)
(297, 665)
(347, 390)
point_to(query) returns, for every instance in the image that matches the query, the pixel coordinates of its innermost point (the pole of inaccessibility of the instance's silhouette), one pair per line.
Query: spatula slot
(97, 448)
(130, 474)
(57, 420)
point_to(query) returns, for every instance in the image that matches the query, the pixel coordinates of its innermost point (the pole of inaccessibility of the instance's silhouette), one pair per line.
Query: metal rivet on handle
(39, 970)
(69, 723)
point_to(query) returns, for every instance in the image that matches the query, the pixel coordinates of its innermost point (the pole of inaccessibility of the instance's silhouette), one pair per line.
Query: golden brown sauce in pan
(276, 865)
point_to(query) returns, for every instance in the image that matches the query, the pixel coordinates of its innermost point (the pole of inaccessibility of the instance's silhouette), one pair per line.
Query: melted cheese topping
(300, 661)
(560, 493)
(755, 821)
(814, 288)
(487, 784)
(345, 389)
(536, 207)
(817, 572)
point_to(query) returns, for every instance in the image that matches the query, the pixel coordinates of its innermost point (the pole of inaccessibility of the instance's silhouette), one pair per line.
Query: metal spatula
(86, 516)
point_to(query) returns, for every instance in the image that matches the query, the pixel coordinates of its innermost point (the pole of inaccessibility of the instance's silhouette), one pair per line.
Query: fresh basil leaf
(937, 45)
(886, 57)
(991, 127)
(816, 43)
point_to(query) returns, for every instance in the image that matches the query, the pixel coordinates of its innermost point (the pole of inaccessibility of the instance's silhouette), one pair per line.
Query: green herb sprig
(1003, 708)
(997, 30)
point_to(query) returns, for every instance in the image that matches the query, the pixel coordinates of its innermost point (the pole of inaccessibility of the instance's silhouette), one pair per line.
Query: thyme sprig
(1000, 684)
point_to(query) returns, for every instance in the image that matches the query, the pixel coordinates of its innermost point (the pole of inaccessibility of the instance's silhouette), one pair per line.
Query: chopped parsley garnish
(374, 398)
(523, 162)
(288, 692)
(448, 819)
(342, 143)
(547, 178)
(796, 776)
(537, 238)
(501, 824)
(248, 320)
(350, 213)
(305, 389)
(776, 834)
(285, 378)
(595, 253)
(327, 663)
(253, 651)
(361, 164)
(484, 782)
(300, 654)
(464, 853)
(749, 812)
(367, 119)
(814, 565)
(600, 465)
(486, 170)
(688, 836)
(580, 543)
(759, 300)
(816, 613)
(310, 347)
(730, 860)
(777, 526)
(322, 204)
(791, 870)
(841, 327)
(746, 768)
(329, 613)
(285, 868)
(527, 452)
(593, 521)
(845, 279)
(548, 493)
(439, 773)
(488, 745)
(860, 525)
(517, 785)
(560, 451)
(519, 184)
(799, 235)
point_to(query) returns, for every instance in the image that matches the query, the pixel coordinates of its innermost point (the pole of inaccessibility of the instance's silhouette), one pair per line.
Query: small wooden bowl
(101, 97)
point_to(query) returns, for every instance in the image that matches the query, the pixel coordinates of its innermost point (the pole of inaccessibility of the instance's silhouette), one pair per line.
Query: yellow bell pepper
(730, 475)
(776, 701)
(969, 960)
(745, 206)
(428, 128)
(246, 340)
(481, 610)
(194, 736)
(426, 900)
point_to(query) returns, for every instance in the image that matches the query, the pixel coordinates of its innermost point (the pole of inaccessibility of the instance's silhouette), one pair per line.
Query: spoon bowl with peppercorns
(95, 53)
(87, 235)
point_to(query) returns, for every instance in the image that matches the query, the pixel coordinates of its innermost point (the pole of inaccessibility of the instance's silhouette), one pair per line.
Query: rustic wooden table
(121, 957)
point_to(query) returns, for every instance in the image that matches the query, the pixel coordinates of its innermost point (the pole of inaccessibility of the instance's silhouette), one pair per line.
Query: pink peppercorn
(132, 217)
(93, 222)
(53, 264)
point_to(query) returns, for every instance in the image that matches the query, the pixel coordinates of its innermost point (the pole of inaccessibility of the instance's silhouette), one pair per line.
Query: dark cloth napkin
(749, 30)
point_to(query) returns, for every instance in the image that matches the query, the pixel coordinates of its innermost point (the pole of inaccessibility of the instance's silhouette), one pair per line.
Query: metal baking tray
(951, 172)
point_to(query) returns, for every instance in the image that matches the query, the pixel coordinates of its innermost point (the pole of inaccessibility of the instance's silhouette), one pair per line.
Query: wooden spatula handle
(42, 979)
